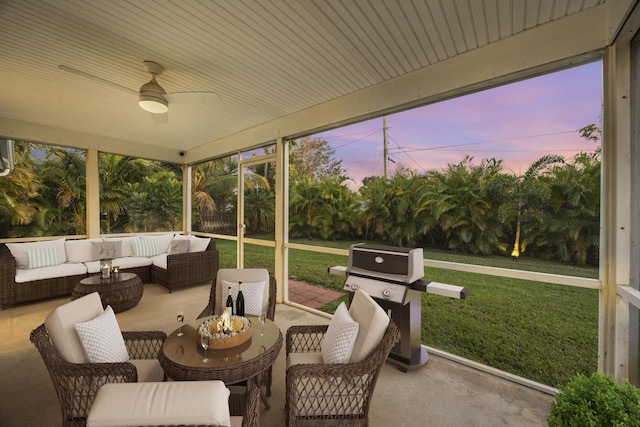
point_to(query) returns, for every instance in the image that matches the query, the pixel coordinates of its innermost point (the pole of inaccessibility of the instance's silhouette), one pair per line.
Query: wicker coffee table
(181, 357)
(121, 293)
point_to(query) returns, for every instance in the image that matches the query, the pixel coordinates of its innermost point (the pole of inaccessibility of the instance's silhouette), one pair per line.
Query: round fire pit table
(121, 292)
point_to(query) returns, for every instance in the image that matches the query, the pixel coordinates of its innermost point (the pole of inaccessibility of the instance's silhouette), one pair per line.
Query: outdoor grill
(393, 277)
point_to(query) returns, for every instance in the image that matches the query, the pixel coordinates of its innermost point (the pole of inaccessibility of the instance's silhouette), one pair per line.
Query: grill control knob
(354, 286)
(387, 293)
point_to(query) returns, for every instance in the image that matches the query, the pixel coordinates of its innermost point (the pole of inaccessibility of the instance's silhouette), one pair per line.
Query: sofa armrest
(7, 274)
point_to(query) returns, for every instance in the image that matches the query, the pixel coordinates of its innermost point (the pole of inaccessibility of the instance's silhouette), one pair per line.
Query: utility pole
(385, 151)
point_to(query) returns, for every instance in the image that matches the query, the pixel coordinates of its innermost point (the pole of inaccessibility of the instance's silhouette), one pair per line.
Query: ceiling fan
(152, 97)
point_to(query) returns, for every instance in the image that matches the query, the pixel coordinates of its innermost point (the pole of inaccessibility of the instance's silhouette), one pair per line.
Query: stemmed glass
(263, 320)
(204, 342)
(180, 318)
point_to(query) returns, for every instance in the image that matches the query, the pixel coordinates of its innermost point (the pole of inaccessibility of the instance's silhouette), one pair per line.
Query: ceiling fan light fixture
(153, 103)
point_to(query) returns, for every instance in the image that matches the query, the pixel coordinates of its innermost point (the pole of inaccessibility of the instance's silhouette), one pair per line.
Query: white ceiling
(265, 59)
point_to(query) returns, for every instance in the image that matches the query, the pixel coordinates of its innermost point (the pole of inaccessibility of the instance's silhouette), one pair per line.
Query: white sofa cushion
(160, 261)
(234, 275)
(93, 267)
(61, 322)
(102, 339)
(253, 293)
(161, 403)
(337, 343)
(80, 250)
(373, 323)
(18, 250)
(24, 275)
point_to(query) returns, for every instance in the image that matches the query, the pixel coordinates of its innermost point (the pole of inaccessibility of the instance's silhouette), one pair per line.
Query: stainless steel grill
(393, 277)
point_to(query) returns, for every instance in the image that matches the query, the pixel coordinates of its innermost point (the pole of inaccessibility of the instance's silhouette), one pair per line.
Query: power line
(488, 142)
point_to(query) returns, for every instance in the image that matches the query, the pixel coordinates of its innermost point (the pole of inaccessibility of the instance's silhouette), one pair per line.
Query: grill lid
(389, 263)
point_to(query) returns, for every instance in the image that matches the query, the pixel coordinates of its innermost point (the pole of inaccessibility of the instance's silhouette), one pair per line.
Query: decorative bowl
(239, 333)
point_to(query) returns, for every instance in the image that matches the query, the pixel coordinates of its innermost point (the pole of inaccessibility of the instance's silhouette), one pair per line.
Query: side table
(121, 293)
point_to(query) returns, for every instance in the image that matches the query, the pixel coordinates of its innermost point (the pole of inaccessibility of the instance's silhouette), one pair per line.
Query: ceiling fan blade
(95, 78)
(192, 97)
(161, 119)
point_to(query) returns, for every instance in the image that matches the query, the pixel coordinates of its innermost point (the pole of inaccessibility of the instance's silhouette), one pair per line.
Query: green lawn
(540, 331)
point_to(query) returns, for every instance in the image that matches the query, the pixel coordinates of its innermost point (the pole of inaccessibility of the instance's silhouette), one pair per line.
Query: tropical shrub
(595, 401)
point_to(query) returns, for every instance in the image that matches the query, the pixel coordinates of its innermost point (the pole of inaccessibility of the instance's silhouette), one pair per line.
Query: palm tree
(116, 173)
(396, 209)
(17, 191)
(63, 177)
(529, 196)
(215, 187)
(573, 226)
(155, 204)
(465, 201)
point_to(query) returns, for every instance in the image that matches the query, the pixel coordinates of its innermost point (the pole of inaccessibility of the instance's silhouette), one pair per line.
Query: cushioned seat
(165, 403)
(183, 403)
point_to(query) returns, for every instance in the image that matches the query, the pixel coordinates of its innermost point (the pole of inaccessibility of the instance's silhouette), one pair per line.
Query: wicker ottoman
(121, 293)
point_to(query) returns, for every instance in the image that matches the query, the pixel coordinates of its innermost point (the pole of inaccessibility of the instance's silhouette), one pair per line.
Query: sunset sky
(517, 123)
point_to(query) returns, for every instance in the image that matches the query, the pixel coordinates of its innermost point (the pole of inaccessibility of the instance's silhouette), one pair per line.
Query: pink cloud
(517, 123)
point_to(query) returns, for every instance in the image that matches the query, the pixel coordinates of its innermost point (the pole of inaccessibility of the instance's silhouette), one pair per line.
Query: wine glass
(263, 320)
(204, 342)
(180, 318)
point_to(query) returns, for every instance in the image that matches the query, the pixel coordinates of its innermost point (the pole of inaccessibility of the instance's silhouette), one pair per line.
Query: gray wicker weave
(76, 384)
(332, 394)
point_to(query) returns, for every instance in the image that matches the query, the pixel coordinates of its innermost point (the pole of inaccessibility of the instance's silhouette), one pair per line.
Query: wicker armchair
(76, 384)
(331, 394)
(217, 299)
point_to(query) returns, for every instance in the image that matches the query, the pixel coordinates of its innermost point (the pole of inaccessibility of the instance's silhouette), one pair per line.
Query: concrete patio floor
(442, 393)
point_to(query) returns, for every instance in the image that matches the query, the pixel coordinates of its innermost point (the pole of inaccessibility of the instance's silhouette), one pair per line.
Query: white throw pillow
(253, 293)
(337, 344)
(102, 340)
(43, 257)
(145, 247)
(198, 244)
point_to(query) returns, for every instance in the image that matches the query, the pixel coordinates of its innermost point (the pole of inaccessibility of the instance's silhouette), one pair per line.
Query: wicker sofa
(171, 262)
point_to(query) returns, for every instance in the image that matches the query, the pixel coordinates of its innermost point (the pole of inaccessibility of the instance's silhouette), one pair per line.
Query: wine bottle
(240, 301)
(230, 300)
